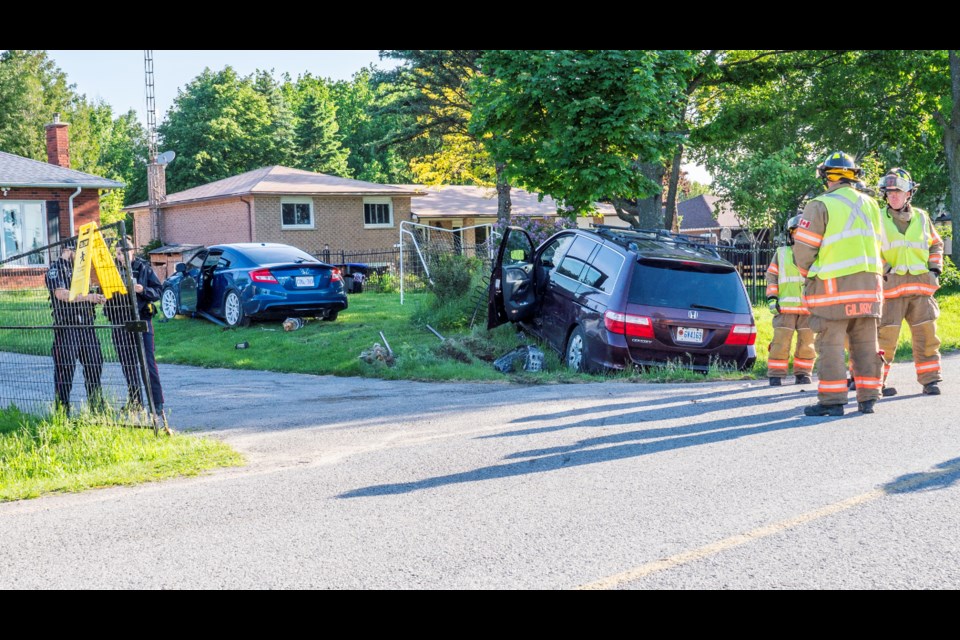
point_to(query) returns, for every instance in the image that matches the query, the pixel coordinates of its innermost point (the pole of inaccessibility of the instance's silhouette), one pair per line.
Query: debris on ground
(377, 353)
(530, 357)
(242, 345)
(292, 324)
(455, 351)
(434, 332)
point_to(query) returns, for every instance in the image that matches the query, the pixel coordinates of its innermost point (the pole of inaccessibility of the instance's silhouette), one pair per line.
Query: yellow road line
(714, 548)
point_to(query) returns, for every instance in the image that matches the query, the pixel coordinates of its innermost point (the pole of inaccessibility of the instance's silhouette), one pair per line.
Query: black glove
(936, 272)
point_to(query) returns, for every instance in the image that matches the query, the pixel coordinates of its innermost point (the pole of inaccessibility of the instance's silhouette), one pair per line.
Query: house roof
(465, 201)
(279, 180)
(17, 171)
(706, 212)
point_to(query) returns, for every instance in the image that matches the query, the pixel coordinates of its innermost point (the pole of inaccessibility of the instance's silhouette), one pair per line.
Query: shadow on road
(621, 446)
(944, 475)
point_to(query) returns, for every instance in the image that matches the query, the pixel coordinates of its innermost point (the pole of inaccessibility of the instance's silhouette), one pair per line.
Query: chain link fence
(68, 355)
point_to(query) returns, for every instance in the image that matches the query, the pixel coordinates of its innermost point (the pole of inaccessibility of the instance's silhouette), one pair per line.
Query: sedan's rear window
(682, 286)
(274, 255)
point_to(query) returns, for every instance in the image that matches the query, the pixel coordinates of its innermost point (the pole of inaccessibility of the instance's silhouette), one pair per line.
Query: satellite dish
(166, 157)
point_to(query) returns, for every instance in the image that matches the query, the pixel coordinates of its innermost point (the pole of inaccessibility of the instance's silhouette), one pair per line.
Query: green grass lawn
(41, 456)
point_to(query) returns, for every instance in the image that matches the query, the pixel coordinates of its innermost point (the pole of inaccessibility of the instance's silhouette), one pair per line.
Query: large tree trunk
(503, 195)
(951, 139)
(670, 220)
(649, 211)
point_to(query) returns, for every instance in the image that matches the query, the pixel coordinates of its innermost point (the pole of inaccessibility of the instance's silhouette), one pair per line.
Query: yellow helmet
(839, 166)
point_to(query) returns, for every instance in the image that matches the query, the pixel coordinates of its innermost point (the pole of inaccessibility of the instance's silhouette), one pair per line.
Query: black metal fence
(751, 263)
(75, 357)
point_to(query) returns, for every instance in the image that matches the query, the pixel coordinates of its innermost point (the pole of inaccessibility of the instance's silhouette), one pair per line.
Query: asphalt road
(369, 484)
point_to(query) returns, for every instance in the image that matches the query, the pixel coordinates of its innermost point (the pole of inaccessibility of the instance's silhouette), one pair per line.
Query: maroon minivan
(608, 298)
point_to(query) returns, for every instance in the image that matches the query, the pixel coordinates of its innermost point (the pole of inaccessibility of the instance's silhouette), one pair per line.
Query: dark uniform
(74, 338)
(118, 311)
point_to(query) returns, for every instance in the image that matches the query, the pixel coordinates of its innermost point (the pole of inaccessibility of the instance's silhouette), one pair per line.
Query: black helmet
(792, 224)
(839, 165)
(897, 179)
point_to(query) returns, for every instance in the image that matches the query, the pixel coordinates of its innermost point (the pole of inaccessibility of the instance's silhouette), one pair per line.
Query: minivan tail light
(262, 275)
(742, 334)
(626, 324)
(336, 276)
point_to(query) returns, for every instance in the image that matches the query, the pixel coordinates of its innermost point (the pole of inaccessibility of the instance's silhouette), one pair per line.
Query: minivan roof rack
(628, 234)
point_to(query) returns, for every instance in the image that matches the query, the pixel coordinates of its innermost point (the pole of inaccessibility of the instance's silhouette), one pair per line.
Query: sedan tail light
(626, 324)
(262, 275)
(742, 334)
(336, 276)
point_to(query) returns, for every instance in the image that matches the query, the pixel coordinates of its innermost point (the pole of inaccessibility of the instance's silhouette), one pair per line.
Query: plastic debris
(530, 356)
(292, 324)
(242, 345)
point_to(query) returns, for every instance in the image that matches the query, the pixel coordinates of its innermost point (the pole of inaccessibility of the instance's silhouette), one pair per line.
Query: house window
(24, 229)
(377, 213)
(296, 213)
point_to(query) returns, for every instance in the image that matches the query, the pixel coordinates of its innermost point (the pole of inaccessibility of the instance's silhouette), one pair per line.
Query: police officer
(790, 315)
(74, 337)
(118, 310)
(837, 250)
(913, 257)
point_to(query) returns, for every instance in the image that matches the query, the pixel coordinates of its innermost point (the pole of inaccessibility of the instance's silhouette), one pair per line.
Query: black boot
(888, 392)
(775, 382)
(803, 378)
(931, 389)
(866, 406)
(824, 410)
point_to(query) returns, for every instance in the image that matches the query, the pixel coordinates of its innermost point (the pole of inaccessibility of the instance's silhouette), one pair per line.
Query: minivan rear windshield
(682, 286)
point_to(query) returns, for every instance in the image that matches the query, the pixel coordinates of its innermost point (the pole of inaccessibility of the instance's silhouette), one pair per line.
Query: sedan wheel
(233, 310)
(168, 303)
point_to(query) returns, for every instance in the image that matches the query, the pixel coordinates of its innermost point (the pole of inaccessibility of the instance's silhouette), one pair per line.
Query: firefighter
(118, 310)
(913, 260)
(837, 250)
(784, 296)
(74, 337)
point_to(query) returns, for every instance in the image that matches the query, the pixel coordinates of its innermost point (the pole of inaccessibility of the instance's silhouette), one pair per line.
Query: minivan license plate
(688, 334)
(304, 281)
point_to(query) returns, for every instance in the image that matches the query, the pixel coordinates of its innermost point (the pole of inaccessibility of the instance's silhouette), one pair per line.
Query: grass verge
(47, 455)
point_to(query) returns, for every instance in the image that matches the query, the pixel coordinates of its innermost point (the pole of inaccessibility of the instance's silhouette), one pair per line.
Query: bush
(539, 229)
(452, 275)
(951, 275)
(383, 283)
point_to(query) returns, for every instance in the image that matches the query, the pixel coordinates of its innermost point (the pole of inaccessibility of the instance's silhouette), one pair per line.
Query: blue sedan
(251, 281)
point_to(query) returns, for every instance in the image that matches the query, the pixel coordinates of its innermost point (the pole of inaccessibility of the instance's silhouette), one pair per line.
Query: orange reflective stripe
(936, 258)
(831, 285)
(928, 366)
(774, 268)
(776, 364)
(911, 288)
(800, 311)
(773, 289)
(799, 362)
(808, 237)
(846, 296)
(833, 385)
(867, 383)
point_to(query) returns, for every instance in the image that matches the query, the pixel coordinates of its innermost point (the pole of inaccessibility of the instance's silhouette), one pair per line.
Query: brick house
(43, 202)
(312, 211)
(466, 207)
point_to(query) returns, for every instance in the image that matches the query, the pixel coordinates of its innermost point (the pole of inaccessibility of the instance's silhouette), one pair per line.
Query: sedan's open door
(512, 296)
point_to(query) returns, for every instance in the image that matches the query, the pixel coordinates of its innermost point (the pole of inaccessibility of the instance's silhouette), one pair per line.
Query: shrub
(452, 275)
(951, 275)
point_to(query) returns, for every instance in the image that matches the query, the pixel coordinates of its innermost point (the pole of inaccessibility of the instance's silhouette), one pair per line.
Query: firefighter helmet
(839, 166)
(897, 179)
(792, 225)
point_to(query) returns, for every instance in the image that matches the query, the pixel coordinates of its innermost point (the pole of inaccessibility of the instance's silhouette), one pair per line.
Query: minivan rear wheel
(575, 356)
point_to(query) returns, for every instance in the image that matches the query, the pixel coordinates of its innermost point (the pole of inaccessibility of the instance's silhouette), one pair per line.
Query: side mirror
(180, 268)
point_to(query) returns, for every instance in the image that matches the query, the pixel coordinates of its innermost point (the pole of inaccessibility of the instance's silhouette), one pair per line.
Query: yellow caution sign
(92, 250)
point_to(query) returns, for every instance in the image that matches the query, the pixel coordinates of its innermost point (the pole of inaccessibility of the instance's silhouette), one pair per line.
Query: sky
(117, 77)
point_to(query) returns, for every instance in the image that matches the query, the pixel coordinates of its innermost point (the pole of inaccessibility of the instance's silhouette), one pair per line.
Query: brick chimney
(58, 143)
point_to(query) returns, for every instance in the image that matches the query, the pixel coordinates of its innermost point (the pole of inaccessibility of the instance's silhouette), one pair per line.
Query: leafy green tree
(220, 125)
(582, 126)
(318, 138)
(432, 92)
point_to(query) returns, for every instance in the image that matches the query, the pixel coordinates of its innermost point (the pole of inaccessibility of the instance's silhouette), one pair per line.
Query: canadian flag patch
(804, 223)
